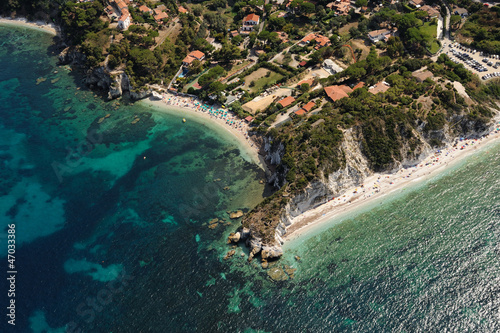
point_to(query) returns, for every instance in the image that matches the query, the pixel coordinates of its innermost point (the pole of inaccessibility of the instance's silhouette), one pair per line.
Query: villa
(160, 16)
(286, 101)
(380, 35)
(125, 18)
(431, 11)
(249, 22)
(194, 55)
(145, 10)
(320, 40)
(337, 92)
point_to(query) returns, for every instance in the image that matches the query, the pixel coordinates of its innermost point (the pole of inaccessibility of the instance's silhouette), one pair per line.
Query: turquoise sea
(112, 226)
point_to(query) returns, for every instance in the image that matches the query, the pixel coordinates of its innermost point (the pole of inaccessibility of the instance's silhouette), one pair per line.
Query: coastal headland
(379, 185)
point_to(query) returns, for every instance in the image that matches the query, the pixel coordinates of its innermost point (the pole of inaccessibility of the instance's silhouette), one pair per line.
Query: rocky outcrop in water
(114, 83)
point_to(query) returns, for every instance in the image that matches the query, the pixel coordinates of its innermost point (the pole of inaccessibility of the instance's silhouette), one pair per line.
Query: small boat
(183, 120)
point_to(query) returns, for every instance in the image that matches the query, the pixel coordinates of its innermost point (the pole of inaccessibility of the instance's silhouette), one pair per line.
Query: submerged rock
(236, 215)
(229, 254)
(277, 274)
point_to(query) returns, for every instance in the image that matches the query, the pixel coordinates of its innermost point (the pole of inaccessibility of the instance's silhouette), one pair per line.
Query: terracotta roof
(337, 92)
(308, 38)
(197, 54)
(375, 33)
(125, 15)
(188, 60)
(430, 11)
(379, 87)
(249, 118)
(309, 106)
(144, 9)
(234, 33)
(359, 85)
(302, 63)
(251, 17)
(161, 16)
(120, 4)
(300, 112)
(194, 55)
(182, 10)
(321, 41)
(286, 101)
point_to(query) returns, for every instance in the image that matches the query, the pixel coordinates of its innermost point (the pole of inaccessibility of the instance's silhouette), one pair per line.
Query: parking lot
(486, 66)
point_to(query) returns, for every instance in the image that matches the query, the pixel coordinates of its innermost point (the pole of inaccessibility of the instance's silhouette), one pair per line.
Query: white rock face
(120, 84)
(319, 192)
(269, 252)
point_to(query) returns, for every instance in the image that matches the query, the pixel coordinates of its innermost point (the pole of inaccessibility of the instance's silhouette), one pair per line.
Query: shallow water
(112, 229)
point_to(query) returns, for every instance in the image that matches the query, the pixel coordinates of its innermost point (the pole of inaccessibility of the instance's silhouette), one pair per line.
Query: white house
(250, 21)
(379, 35)
(124, 20)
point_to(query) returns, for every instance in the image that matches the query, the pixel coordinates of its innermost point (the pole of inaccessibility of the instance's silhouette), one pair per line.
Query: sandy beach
(47, 27)
(379, 185)
(210, 115)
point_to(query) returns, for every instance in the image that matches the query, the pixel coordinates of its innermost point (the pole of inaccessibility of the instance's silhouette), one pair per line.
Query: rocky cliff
(114, 83)
(355, 169)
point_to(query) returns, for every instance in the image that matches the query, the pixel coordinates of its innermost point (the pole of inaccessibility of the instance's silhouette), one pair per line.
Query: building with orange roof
(300, 112)
(309, 106)
(250, 21)
(340, 7)
(359, 85)
(379, 35)
(159, 17)
(124, 20)
(286, 101)
(320, 40)
(182, 10)
(120, 4)
(192, 56)
(431, 12)
(337, 92)
(379, 87)
(145, 9)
